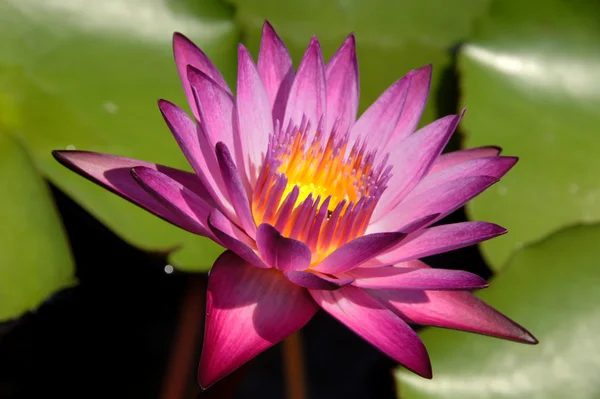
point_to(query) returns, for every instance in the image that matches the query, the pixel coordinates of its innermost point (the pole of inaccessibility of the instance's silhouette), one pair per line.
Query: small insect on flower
(316, 208)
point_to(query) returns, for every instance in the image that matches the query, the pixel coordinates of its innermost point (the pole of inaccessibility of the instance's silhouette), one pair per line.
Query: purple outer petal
(235, 188)
(280, 252)
(377, 325)
(247, 311)
(276, 70)
(186, 53)
(377, 123)
(456, 157)
(412, 160)
(413, 107)
(254, 117)
(341, 74)
(490, 166)
(443, 199)
(416, 279)
(439, 239)
(114, 173)
(190, 208)
(308, 97)
(233, 238)
(358, 251)
(215, 108)
(198, 152)
(317, 281)
(459, 310)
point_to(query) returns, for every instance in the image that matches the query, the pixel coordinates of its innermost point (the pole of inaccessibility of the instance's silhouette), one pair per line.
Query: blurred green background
(77, 74)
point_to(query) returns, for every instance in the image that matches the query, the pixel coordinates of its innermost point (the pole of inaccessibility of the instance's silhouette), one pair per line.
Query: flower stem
(186, 339)
(293, 359)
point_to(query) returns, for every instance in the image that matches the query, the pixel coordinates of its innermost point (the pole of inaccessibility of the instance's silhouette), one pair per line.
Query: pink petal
(377, 123)
(413, 107)
(231, 237)
(439, 239)
(357, 251)
(490, 166)
(175, 197)
(247, 311)
(416, 279)
(198, 151)
(235, 189)
(255, 121)
(114, 173)
(341, 74)
(186, 53)
(215, 108)
(459, 310)
(377, 325)
(456, 157)
(412, 160)
(443, 200)
(317, 281)
(282, 253)
(308, 96)
(275, 69)
(417, 224)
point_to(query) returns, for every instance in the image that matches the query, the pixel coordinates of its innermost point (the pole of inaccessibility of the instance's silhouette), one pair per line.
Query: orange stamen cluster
(315, 190)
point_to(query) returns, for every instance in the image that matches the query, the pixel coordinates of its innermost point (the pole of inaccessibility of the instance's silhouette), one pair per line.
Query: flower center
(317, 189)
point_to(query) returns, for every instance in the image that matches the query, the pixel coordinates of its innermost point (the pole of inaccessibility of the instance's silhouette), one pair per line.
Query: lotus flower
(317, 209)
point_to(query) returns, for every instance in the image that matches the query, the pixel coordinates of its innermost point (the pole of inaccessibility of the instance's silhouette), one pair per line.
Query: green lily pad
(35, 259)
(530, 80)
(86, 75)
(551, 288)
(392, 37)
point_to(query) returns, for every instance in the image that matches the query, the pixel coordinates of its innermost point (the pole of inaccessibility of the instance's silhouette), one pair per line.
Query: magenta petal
(317, 281)
(175, 197)
(413, 107)
(254, 117)
(215, 108)
(456, 157)
(235, 188)
(341, 74)
(377, 123)
(443, 200)
(358, 251)
(201, 158)
(412, 160)
(281, 252)
(247, 311)
(186, 53)
(415, 225)
(416, 279)
(377, 325)
(459, 310)
(308, 93)
(490, 166)
(114, 173)
(275, 69)
(231, 237)
(439, 239)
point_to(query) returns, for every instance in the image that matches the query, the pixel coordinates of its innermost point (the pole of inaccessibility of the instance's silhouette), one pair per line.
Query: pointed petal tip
(426, 69)
(350, 40)
(59, 155)
(268, 27)
(67, 158)
(242, 50)
(314, 44)
(530, 339)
